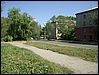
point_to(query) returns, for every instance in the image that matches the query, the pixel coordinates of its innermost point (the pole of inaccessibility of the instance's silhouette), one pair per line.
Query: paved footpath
(76, 64)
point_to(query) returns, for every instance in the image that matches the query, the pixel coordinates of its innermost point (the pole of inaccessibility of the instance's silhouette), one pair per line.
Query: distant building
(86, 28)
(54, 32)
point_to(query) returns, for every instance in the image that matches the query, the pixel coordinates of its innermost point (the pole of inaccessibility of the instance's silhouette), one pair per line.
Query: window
(84, 16)
(90, 37)
(84, 23)
(84, 30)
(90, 23)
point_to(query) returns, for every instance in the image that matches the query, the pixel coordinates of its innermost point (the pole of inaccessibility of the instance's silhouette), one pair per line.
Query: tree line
(21, 26)
(64, 24)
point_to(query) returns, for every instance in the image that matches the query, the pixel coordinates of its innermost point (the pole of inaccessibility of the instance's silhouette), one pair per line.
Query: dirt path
(78, 65)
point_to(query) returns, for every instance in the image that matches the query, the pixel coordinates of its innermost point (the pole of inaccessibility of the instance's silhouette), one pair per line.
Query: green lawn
(83, 53)
(21, 61)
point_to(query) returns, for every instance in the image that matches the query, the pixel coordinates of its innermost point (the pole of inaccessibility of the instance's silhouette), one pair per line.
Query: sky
(44, 10)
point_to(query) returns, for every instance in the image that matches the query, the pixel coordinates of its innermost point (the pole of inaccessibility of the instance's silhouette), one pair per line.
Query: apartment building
(87, 25)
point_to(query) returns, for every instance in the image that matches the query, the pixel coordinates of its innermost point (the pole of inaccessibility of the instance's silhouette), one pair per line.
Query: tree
(50, 27)
(5, 23)
(52, 19)
(35, 29)
(25, 26)
(14, 16)
(65, 26)
(22, 26)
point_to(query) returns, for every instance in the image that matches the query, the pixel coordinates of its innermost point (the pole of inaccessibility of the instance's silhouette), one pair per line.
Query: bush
(7, 38)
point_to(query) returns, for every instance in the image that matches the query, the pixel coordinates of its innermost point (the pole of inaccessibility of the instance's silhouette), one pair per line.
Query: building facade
(54, 32)
(87, 25)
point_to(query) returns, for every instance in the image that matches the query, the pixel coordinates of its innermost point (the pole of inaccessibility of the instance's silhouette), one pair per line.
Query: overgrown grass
(21, 61)
(83, 53)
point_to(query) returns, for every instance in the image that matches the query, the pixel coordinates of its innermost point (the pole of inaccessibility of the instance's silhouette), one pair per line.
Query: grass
(16, 60)
(83, 53)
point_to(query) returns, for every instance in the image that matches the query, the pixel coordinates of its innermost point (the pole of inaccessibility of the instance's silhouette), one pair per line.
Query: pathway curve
(76, 64)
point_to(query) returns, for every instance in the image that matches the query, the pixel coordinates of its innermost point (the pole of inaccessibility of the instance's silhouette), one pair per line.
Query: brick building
(86, 26)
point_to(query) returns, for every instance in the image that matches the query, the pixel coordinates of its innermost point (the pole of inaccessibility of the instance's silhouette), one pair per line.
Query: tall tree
(35, 29)
(5, 23)
(50, 27)
(22, 26)
(14, 16)
(66, 26)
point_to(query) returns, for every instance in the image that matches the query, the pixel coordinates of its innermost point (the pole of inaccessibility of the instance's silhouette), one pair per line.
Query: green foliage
(71, 18)
(7, 38)
(5, 23)
(14, 29)
(22, 26)
(22, 61)
(65, 26)
(49, 29)
(35, 28)
(86, 54)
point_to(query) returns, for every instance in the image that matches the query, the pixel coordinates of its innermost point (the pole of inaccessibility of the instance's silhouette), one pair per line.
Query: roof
(95, 8)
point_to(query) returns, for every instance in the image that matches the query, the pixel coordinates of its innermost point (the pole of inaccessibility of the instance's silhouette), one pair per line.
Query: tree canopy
(64, 24)
(21, 26)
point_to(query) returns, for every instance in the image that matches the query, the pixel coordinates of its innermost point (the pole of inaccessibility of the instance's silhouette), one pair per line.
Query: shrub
(7, 38)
